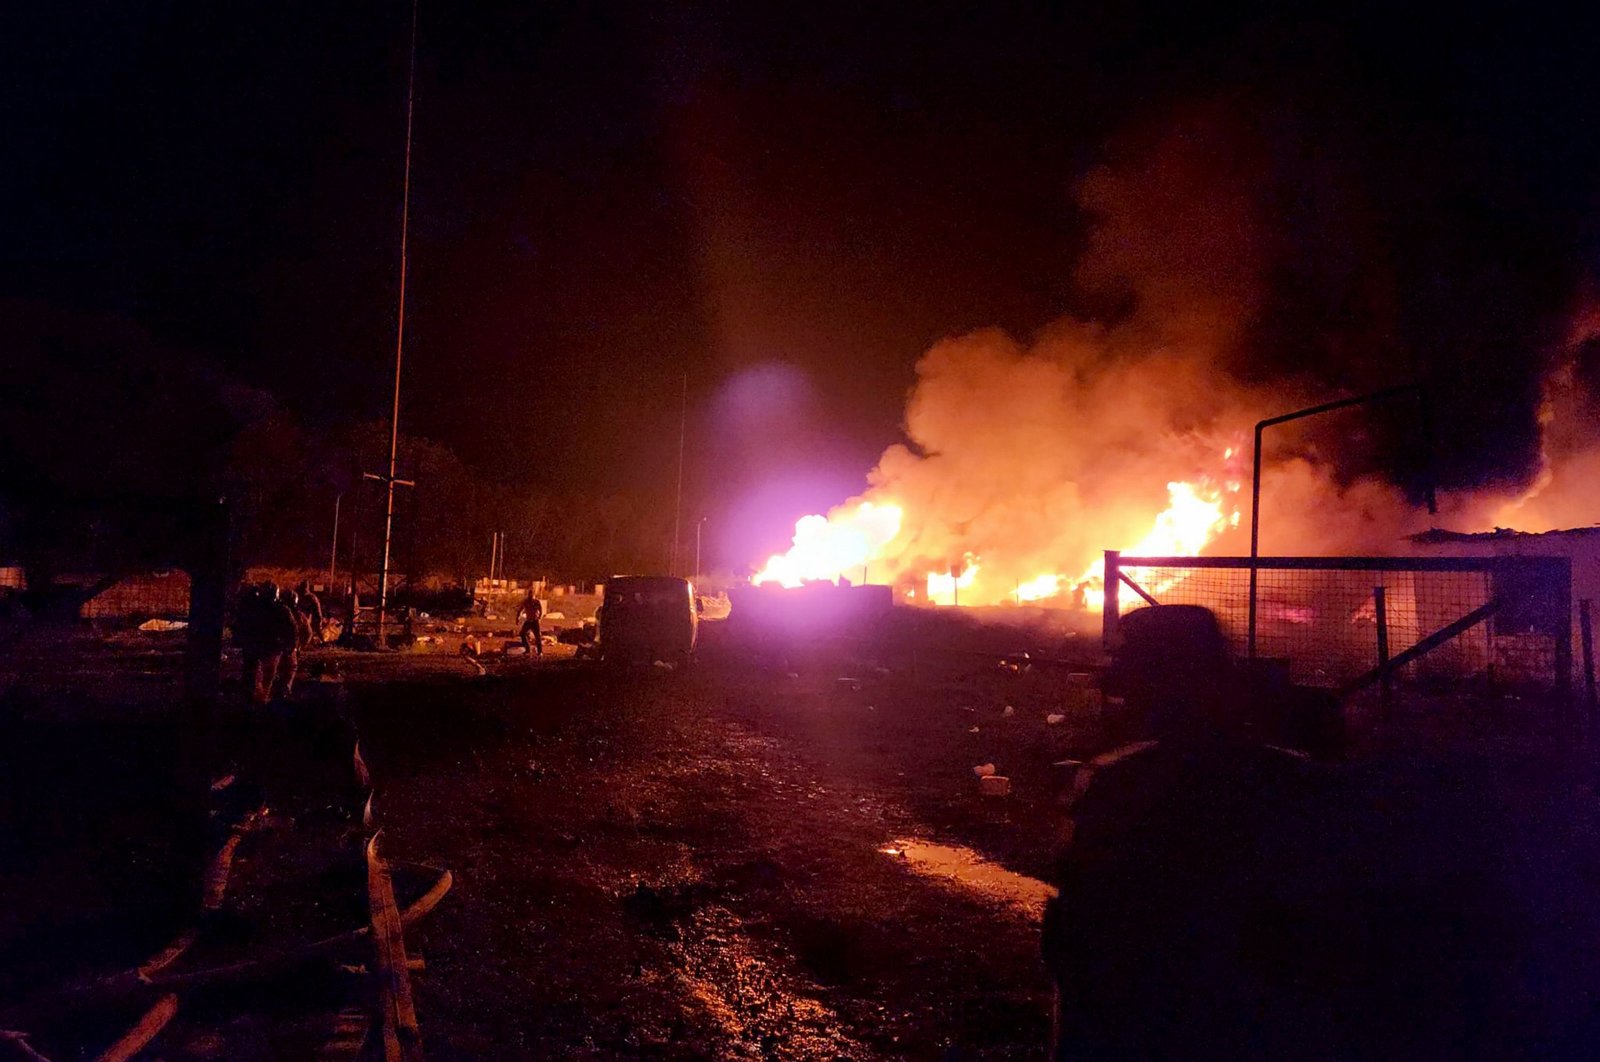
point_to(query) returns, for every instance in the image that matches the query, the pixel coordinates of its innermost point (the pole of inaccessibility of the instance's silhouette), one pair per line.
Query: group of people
(271, 627)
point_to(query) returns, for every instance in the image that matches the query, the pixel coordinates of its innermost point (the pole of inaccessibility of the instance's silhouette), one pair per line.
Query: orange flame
(840, 544)
(1193, 517)
(850, 540)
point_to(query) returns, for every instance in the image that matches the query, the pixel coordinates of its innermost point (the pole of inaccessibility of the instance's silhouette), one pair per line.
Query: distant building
(1581, 545)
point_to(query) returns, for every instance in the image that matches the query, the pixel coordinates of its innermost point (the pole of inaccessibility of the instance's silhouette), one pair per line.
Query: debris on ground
(1054, 718)
(163, 625)
(994, 785)
(1008, 712)
(984, 770)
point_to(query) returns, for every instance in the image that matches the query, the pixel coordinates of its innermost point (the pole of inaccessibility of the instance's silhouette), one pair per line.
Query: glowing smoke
(1125, 428)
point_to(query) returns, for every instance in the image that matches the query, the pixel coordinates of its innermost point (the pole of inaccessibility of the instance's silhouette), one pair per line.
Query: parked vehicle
(644, 618)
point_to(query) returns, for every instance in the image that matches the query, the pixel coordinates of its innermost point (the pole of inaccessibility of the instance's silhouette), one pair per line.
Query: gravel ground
(715, 864)
(762, 857)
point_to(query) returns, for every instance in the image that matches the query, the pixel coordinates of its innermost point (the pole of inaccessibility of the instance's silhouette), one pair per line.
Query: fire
(944, 588)
(840, 545)
(1039, 588)
(1193, 517)
(848, 542)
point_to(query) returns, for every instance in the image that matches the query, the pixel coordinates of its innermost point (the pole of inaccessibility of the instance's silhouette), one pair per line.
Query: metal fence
(1349, 622)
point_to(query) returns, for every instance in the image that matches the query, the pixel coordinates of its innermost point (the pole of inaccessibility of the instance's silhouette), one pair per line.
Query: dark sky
(788, 205)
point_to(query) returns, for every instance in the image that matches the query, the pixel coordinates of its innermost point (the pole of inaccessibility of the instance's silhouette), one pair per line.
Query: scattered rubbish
(580, 635)
(974, 730)
(846, 680)
(1067, 763)
(470, 647)
(891, 850)
(664, 665)
(516, 650)
(870, 708)
(1082, 694)
(994, 785)
(1009, 712)
(555, 615)
(163, 625)
(792, 675)
(1054, 718)
(983, 770)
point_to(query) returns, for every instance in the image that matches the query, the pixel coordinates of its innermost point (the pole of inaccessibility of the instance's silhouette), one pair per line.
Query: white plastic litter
(974, 730)
(1009, 711)
(1054, 718)
(983, 770)
(163, 625)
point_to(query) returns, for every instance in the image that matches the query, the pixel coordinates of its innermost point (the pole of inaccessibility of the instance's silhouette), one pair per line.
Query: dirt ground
(732, 862)
(770, 855)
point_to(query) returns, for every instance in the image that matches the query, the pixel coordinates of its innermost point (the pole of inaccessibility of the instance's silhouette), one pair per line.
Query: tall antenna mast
(399, 343)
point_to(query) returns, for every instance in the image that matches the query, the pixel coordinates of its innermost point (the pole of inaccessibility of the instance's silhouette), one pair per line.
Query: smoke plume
(1031, 456)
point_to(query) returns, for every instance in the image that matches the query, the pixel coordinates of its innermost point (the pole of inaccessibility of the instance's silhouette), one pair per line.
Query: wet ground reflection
(966, 869)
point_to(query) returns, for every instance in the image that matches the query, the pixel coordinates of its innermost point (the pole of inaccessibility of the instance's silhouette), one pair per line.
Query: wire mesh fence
(1336, 620)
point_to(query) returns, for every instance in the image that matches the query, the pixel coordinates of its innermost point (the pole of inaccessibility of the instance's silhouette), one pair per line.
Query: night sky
(787, 205)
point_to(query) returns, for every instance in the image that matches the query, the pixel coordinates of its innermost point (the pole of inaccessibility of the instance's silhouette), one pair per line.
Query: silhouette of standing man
(532, 610)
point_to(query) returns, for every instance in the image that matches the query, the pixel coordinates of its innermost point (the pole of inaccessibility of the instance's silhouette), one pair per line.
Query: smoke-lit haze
(1026, 458)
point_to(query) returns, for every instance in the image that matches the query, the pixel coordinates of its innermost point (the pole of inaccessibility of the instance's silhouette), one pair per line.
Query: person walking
(532, 638)
(250, 635)
(311, 606)
(287, 633)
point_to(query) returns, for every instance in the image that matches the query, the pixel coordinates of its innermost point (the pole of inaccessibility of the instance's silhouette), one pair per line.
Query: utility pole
(399, 344)
(697, 528)
(677, 510)
(333, 552)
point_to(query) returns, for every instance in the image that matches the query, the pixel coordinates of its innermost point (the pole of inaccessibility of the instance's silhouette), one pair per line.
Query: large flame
(847, 543)
(1195, 515)
(842, 544)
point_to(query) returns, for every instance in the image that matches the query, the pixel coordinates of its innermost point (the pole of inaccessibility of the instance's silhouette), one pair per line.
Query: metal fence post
(1109, 614)
(1564, 633)
(1381, 611)
(1586, 630)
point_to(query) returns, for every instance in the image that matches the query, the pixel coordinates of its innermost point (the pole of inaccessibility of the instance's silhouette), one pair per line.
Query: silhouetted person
(287, 632)
(311, 605)
(532, 638)
(251, 623)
